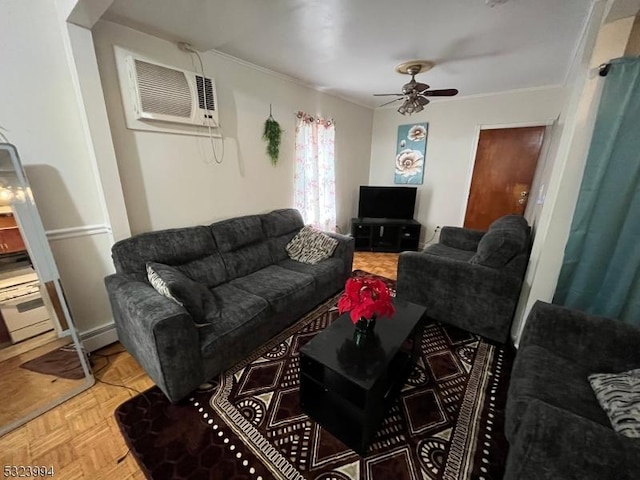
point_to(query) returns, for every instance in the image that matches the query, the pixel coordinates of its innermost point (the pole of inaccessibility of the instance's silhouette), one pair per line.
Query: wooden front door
(505, 163)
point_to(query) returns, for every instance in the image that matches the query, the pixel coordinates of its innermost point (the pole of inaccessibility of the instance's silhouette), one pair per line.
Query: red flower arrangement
(365, 297)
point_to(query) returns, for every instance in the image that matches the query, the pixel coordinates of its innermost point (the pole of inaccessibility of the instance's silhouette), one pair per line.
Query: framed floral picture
(410, 152)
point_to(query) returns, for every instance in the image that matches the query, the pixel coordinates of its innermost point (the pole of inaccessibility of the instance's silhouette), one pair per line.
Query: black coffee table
(347, 388)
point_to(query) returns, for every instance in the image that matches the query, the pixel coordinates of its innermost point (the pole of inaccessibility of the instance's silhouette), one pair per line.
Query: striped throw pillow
(195, 297)
(619, 396)
(160, 285)
(311, 246)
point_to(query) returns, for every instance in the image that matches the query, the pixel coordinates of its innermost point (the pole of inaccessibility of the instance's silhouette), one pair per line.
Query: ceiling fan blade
(388, 103)
(388, 94)
(447, 92)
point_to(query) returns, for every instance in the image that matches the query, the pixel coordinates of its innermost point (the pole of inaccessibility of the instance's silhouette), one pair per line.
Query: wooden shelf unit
(385, 234)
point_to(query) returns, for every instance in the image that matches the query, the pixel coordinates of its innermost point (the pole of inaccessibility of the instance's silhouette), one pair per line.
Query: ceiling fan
(415, 94)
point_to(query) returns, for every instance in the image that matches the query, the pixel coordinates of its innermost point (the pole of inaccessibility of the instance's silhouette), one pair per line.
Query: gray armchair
(471, 279)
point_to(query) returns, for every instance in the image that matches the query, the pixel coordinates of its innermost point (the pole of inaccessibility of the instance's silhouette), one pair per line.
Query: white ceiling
(350, 47)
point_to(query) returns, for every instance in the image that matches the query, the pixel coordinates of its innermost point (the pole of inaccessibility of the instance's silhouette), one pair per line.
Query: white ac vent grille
(163, 90)
(208, 91)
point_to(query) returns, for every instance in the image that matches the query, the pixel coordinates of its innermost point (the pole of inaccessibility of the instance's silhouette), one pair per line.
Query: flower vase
(364, 328)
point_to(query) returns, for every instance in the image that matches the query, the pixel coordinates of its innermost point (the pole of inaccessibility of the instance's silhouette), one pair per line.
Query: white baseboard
(99, 337)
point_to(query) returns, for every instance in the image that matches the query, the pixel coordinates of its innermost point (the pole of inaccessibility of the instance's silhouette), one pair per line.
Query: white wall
(451, 143)
(172, 180)
(43, 116)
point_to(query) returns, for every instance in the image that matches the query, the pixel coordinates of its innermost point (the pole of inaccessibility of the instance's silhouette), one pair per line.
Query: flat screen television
(387, 202)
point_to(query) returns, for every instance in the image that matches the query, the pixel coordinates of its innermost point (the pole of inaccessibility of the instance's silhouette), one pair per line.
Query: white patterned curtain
(315, 184)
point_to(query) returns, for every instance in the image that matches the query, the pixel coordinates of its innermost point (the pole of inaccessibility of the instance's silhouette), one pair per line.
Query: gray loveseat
(470, 279)
(554, 424)
(258, 291)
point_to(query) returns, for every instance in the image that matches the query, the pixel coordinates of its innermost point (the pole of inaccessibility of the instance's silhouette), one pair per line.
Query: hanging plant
(272, 135)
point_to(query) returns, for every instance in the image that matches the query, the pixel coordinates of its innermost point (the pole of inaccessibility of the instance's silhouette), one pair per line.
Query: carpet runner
(447, 422)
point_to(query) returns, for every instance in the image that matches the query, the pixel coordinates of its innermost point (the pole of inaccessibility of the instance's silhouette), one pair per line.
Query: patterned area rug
(247, 424)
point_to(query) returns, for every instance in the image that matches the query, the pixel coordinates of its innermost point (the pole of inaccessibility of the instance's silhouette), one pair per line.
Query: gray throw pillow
(506, 238)
(195, 297)
(311, 246)
(619, 396)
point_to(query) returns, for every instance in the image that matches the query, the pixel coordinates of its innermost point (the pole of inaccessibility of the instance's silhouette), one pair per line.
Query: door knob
(521, 201)
(524, 194)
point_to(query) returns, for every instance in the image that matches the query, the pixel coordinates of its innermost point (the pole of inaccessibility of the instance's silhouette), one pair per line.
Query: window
(315, 185)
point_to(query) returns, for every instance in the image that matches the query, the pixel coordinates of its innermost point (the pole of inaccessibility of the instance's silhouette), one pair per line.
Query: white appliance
(21, 304)
(164, 93)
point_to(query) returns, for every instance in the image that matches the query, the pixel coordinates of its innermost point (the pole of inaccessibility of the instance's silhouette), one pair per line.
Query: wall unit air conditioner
(168, 94)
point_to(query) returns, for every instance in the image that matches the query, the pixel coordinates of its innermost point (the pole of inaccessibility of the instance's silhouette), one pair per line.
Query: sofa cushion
(171, 247)
(327, 274)
(237, 232)
(619, 395)
(539, 374)
(242, 245)
(281, 222)
(246, 260)
(506, 238)
(193, 296)
(311, 246)
(278, 286)
(239, 311)
(442, 250)
(209, 270)
(280, 226)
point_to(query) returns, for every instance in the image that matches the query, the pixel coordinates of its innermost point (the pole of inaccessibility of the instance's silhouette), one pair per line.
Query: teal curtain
(601, 267)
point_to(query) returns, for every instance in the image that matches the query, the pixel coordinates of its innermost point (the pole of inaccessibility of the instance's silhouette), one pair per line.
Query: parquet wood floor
(80, 438)
(384, 264)
(18, 384)
(30, 344)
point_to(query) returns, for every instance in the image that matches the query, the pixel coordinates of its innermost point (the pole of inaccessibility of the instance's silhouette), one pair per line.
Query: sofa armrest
(603, 344)
(556, 444)
(344, 251)
(418, 269)
(461, 238)
(159, 333)
(473, 297)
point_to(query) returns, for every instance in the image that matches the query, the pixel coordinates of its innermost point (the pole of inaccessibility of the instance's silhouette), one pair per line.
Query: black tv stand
(385, 234)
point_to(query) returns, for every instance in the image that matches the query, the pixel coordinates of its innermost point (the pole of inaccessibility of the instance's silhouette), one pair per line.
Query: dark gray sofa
(554, 424)
(258, 289)
(470, 279)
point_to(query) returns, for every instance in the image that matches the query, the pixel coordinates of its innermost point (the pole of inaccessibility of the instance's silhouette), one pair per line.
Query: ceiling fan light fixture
(410, 106)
